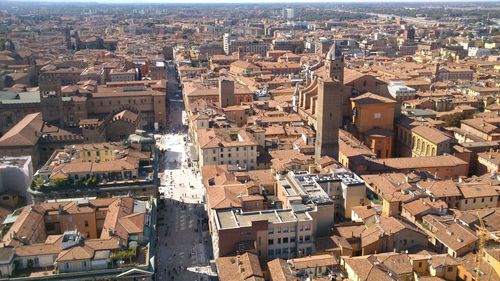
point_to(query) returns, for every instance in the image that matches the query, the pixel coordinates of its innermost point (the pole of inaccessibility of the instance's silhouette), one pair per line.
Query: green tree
(58, 182)
(29, 264)
(37, 182)
(453, 120)
(299, 50)
(90, 181)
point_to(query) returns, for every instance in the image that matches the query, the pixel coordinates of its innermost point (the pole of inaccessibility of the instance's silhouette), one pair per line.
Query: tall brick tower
(67, 37)
(329, 111)
(51, 100)
(226, 92)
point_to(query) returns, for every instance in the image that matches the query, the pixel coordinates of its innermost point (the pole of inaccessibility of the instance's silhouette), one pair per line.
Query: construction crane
(484, 234)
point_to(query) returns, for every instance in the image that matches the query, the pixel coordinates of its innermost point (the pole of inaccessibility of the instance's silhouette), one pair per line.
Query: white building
(478, 52)
(288, 13)
(16, 174)
(400, 91)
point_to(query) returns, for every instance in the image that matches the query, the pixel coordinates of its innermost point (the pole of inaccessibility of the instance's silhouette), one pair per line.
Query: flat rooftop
(311, 186)
(14, 161)
(236, 218)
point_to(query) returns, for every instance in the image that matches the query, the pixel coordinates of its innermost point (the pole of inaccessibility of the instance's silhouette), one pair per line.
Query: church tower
(334, 64)
(329, 106)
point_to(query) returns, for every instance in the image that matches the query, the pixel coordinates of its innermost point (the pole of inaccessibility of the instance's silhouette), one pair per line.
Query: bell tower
(329, 106)
(334, 64)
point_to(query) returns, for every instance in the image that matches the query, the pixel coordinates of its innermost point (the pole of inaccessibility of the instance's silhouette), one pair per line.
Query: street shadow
(186, 275)
(172, 160)
(169, 240)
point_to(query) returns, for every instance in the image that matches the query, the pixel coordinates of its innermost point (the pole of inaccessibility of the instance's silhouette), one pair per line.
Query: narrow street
(184, 244)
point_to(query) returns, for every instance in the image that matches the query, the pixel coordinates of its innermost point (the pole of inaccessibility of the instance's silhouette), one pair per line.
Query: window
(377, 115)
(449, 269)
(292, 239)
(277, 251)
(308, 227)
(270, 231)
(279, 229)
(270, 252)
(279, 240)
(308, 238)
(86, 223)
(270, 242)
(285, 240)
(482, 200)
(419, 264)
(308, 251)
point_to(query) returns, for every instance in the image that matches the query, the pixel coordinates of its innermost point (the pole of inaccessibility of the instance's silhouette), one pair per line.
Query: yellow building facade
(373, 116)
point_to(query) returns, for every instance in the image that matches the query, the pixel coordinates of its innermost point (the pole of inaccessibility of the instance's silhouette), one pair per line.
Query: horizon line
(289, 2)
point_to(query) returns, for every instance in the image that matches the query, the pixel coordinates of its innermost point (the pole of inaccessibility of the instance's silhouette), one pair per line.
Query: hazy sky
(241, 1)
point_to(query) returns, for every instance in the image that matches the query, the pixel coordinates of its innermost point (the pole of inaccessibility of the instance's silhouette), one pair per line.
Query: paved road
(184, 245)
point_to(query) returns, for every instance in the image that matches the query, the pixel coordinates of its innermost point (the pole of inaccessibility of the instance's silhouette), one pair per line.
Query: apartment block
(227, 146)
(101, 170)
(80, 235)
(270, 234)
(340, 189)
